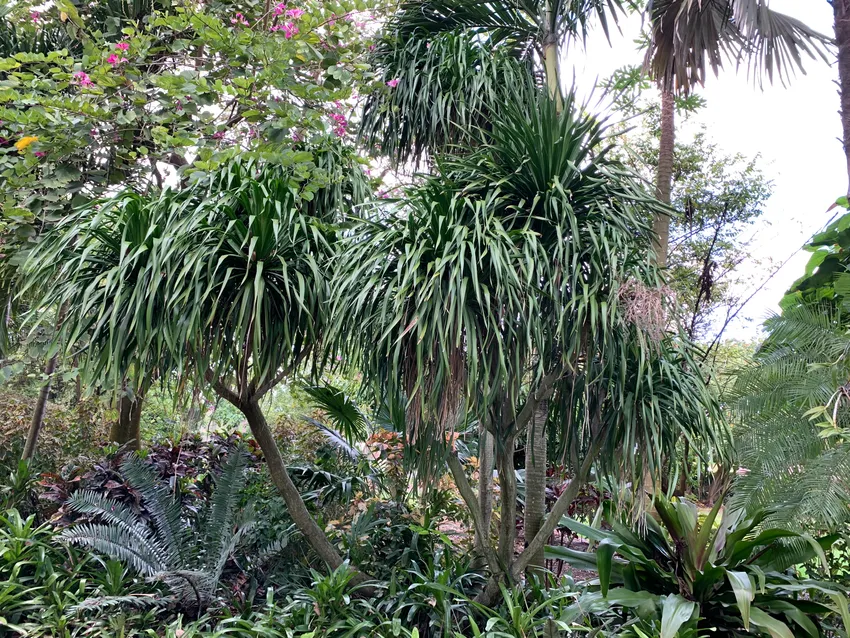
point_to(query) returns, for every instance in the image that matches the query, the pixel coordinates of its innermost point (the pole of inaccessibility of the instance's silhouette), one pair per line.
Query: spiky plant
(188, 556)
(499, 284)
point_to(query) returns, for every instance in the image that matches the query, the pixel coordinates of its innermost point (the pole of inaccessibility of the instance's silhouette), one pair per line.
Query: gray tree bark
(841, 11)
(535, 482)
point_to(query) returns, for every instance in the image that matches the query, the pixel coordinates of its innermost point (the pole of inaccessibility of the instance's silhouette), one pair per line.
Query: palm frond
(689, 37)
(347, 419)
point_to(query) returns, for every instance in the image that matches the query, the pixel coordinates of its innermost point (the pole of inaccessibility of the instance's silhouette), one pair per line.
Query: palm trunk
(535, 482)
(664, 183)
(551, 63)
(841, 10)
(127, 429)
(280, 477)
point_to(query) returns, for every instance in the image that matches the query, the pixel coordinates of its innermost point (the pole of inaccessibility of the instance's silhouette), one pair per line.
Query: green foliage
(189, 560)
(826, 279)
(691, 573)
(431, 280)
(792, 409)
(243, 255)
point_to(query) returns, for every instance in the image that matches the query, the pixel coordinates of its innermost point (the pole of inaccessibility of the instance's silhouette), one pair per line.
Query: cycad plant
(692, 575)
(793, 412)
(188, 556)
(791, 402)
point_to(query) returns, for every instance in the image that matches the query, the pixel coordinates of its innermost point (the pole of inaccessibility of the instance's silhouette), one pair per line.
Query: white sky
(796, 130)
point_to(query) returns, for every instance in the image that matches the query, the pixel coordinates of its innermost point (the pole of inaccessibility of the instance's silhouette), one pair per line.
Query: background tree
(687, 37)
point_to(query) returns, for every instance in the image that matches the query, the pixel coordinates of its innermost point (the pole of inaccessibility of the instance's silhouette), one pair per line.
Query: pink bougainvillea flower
(294, 13)
(35, 16)
(124, 46)
(82, 78)
(239, 19)
(113, 59)
(279, 8)
(340, 122)
(39, 153)
(393, 83)
(289, 30)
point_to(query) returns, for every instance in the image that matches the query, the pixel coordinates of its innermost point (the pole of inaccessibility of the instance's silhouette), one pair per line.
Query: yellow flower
(22, 143)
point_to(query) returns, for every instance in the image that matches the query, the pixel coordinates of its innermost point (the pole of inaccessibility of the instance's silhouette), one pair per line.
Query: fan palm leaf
(690, 37)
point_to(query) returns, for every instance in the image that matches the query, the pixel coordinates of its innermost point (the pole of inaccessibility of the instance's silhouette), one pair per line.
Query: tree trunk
(485, 485)
(280, 477)
(551, 61)
(127, 429)
(37, 420)
(682, 486)
(664, 183)
(535, 482)
(507, 490)
(841, 9)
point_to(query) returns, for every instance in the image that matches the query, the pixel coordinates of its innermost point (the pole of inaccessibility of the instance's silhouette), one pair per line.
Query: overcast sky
(796, 130)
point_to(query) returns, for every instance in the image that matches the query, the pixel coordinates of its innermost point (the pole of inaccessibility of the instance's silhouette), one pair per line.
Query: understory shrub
(687, 575)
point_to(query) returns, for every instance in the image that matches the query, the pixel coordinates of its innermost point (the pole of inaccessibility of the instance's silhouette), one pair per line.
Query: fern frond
(105, 603)
(219, 521)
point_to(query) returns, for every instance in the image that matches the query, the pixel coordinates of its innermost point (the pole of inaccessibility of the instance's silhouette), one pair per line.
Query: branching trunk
(664, 183)
(312, 533)
(507, 491)
(535, 481)
(841, 9)
(127, 429)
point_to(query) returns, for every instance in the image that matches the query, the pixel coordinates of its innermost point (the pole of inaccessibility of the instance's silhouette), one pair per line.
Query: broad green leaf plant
(692, 574)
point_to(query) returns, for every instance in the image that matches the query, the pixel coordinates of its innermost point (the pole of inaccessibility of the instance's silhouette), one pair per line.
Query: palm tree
(689, 36)
(499, 284)
(228, 290)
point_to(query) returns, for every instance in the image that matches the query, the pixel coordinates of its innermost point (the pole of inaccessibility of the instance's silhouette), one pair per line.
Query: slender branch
(222, 390)
(468, 495)
(280, 376)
